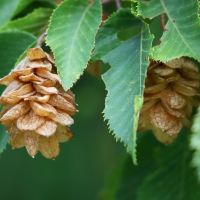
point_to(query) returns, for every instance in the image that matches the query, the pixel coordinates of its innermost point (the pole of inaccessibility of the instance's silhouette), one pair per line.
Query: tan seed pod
(169, 95)
(31, 141)
(37, 111)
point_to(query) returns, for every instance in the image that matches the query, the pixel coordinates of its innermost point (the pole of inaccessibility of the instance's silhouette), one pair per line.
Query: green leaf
(125, 84)
(71, 36)
(13, 44)
(173, 177)
(4, 137)
(182, 36)
(7, 8)
(195, 143)
(149, 9)
(31, 4)
(114, 31)
(22, 5)
(11, 8)
(35, 22)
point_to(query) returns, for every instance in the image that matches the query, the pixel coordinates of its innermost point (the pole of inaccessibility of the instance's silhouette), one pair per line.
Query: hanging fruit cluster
(169, 97)
(36, 110)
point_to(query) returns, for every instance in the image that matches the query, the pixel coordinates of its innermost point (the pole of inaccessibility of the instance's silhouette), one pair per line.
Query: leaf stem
(162, 22)
(40, 39)
(118, 4)
(105, 1)
(58, 1)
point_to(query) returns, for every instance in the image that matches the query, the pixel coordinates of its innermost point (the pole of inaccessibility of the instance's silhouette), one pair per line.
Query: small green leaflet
(125, 84)
(35, 22)
(195, 143)
(71, 36)
(182, 35)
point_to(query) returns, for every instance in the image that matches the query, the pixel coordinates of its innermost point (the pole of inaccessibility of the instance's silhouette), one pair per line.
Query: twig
(105, 1)
(162, 22)
(58, 1)
(40, 39)
(118, 4)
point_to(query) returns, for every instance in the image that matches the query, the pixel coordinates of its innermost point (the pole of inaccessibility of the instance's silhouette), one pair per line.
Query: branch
(162, 22)
(105, 1)
(118, 4)
(40, 39)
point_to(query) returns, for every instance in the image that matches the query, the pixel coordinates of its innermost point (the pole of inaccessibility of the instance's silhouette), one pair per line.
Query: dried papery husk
(47, 129)
(36, 109)
(15, 112)
(169, 96)
(49, 147)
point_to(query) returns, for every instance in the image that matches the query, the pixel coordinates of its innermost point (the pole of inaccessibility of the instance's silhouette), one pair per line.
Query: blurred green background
(80, 171)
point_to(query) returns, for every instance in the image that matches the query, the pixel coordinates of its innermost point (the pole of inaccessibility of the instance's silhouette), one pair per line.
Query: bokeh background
(80, 171)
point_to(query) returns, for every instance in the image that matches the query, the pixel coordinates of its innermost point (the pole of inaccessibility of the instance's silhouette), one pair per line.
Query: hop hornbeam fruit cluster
(36, 110)
(169, 97)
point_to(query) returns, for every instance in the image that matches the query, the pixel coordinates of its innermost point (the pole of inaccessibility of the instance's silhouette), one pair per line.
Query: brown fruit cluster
(169, 97)
(36, 110)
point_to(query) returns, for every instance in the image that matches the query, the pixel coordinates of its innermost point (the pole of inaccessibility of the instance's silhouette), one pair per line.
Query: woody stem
(40, 39)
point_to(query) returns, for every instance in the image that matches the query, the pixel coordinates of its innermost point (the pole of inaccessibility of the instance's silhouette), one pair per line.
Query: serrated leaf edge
(46, 42)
